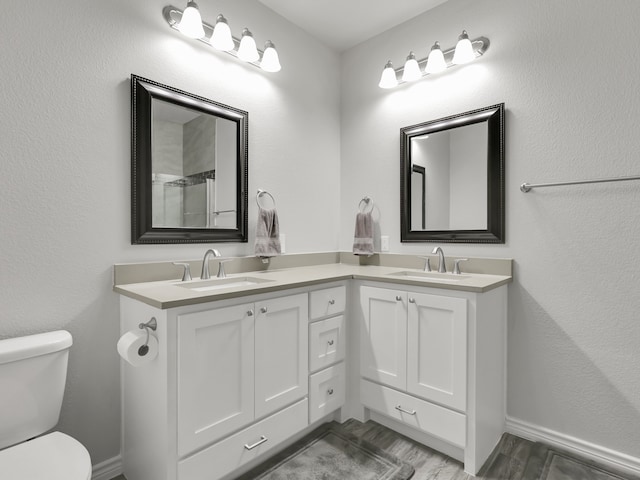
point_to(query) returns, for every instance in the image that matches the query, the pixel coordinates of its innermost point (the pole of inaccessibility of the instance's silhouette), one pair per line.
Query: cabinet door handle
(330, 342)
(330, 391)
(250, 313)
(263, 310)
(410, 412)
(259, 442)
(332, 302)
(412, 300)
(398, 298)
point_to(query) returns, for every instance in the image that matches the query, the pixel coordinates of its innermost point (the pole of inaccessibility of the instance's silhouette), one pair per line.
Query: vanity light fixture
(464, 50)
(437, 61)
(388, 78)
(411, 69)
(219, 36)
(191, 21)
(270, 59)
(248, 50)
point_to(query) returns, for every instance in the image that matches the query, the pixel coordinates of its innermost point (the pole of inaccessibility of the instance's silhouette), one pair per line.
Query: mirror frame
(143, 92)
(494, 233)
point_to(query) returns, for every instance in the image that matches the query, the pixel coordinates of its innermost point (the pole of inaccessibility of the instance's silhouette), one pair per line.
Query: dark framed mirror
(189, 167)
(452, 178)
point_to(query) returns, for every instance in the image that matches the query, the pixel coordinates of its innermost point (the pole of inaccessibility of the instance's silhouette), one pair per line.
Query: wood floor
(513, 459)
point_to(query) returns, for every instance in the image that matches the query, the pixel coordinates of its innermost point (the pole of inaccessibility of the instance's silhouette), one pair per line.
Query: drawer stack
(326, 351)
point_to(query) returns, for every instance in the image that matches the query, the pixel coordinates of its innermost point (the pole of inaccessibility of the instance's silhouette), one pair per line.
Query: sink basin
(220, 283)
(440, 277)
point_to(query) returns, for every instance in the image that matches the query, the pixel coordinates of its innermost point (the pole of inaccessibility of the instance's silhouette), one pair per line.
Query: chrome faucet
(205, 263)
(442, 268)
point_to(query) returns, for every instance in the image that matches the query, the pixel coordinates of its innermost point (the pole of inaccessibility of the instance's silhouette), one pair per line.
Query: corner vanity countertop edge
(169, 294)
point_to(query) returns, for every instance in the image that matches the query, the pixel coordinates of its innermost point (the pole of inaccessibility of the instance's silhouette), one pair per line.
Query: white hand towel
(363, 236)
(267, 233)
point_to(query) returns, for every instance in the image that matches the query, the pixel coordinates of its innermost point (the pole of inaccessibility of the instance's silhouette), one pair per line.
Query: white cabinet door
(215, 374)
(383, 345)
(282, 352)
(437, 349)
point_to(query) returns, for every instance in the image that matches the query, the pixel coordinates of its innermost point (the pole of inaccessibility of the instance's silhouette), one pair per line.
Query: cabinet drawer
(233, 452)
(432, 419)
(326, 342)
(328, 301)
(326, 391)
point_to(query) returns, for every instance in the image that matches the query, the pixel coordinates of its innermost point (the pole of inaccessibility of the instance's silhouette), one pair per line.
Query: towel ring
(261, 193)
(368, 202)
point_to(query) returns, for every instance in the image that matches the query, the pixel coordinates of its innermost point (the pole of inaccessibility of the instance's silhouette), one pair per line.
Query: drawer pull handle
(398, 298)
(410, 412)
(330, 342)
(263, 310)
(332, 302)
(330, 391)
(250, 313)
(259, 442)
(412, 300)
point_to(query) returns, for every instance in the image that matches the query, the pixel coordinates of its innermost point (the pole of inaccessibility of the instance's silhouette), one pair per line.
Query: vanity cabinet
(230, 383)
(235, 378)
(434, 361)
(416, 343)
(238, 364)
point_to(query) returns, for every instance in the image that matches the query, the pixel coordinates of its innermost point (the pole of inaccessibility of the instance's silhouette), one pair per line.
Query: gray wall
(569, 80)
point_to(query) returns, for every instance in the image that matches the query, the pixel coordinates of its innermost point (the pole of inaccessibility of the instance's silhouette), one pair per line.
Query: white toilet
(33, 372)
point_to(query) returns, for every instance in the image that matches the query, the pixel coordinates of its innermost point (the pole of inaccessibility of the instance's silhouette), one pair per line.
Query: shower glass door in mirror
(449, 179)
(193, 168)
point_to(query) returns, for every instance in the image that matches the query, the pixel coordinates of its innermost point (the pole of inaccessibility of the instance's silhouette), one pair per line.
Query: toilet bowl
(54, 456)
(33, 372)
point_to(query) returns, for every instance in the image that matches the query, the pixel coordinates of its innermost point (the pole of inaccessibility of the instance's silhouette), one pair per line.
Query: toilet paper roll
(129, 348)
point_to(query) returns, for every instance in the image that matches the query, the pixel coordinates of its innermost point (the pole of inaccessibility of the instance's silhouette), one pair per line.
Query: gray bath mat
(548, 464)
(329, 453)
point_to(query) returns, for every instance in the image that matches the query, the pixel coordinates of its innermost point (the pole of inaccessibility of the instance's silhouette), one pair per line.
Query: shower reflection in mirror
(193, 168)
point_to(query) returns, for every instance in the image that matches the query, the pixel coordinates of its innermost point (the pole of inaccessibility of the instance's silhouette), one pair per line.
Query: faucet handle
(427, 263)
(186, 275)
(221, 262)
(456, 265)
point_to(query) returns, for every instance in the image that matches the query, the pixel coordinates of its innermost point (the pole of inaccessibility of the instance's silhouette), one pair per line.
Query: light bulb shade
(248, 50)
(435, 62)
(411, 71)
(270, 61)
(464, 50)
(221, 38)
(388, 78)
(191, 22)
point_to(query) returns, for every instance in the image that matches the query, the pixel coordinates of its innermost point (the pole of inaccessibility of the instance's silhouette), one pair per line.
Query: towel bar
(368, 202)
(525, 187)
(261, 193)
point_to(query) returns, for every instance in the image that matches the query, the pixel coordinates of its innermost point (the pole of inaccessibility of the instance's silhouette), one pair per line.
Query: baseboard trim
(572, 445)
(108, 469)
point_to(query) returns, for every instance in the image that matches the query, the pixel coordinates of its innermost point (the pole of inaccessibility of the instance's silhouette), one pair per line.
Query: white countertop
(168, 293)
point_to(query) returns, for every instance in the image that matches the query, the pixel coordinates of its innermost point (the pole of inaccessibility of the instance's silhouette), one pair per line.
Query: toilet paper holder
(150, 325)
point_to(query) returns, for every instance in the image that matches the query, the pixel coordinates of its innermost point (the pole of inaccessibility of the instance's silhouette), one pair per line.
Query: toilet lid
(55, 456)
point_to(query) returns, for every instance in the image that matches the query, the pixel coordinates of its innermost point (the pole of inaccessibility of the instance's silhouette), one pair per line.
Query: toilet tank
(33, 372)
